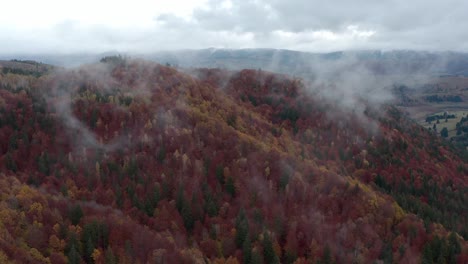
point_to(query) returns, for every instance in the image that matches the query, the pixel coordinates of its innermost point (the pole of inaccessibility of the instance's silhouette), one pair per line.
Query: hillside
(25, 67)
(133, 162)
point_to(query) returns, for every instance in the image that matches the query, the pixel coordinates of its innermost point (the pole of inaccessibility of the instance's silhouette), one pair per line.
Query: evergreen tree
(427, 254)
(187, 216)
(247, 250)
(269, 254)
(444, 132)
(220, 174)
(327, 258)
(185, 210)
(75, 214)
(10, 163)
(43, 163)
(74, 256)
(110, 258)
(88, 251)
(230, 188)
(242, 228)
(256, 258)
(454, 248)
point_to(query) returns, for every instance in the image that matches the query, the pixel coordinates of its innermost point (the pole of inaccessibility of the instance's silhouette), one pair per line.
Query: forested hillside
(128, 161)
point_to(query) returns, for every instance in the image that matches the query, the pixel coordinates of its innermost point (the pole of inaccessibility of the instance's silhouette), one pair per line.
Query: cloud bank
(146, 26)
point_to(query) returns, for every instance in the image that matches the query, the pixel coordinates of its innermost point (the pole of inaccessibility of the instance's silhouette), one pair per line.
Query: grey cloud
(396, 24)
(173, 22)
(399, 24)
(302, 15)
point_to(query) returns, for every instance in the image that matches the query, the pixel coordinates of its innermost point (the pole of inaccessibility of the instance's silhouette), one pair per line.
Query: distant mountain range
(287, 61)
(295, 62)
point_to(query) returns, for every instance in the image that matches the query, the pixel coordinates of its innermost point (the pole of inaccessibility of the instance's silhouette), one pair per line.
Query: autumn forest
(129, 161)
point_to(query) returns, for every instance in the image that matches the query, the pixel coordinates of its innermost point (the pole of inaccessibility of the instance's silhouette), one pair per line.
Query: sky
(141, 26)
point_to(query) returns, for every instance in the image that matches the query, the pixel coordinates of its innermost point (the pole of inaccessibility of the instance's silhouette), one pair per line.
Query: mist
(350, 81)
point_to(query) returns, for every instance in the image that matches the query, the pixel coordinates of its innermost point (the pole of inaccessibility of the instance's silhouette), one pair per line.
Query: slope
(133, 162)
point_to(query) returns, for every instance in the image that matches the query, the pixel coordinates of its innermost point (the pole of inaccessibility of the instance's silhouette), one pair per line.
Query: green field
(450, 124)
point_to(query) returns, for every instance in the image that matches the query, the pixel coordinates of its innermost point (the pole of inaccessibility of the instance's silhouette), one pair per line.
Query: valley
(439, 103)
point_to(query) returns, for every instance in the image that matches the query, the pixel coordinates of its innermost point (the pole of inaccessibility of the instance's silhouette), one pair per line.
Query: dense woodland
(128, 161)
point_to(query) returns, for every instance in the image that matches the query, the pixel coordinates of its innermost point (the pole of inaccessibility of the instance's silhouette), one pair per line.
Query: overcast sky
(69, 26)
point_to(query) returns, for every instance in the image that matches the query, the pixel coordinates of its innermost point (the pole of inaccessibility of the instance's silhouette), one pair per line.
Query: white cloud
(45, 13)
